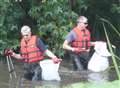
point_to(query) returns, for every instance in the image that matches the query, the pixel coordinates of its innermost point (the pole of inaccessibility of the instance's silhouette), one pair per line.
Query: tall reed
(110, 45)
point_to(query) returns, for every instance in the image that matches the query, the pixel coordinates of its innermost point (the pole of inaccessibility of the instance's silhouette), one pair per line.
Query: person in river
(78, 43)
(32, 51)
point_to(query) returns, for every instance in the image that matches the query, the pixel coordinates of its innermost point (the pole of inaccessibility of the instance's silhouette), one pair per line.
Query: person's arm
(69, 38)
(17, 56)
(43, 49)
(50, 54)
(10, 52)
(92, 43)
(41, 45)
(67, 46)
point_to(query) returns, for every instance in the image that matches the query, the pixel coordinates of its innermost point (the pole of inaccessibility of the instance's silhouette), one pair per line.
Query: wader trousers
(32, 71)
(80, 61)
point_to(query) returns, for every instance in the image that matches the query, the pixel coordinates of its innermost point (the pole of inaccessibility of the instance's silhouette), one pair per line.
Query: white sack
(49, 70)
(99, 60)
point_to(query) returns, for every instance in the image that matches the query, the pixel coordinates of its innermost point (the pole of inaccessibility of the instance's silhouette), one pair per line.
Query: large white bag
(49, 70)
(99, 60)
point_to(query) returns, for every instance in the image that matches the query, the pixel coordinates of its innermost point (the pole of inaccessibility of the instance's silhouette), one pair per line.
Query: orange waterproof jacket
(82, 39)
(29, 51)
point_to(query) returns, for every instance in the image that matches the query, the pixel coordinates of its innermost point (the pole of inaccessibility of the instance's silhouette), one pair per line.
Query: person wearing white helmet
(77, 42)
(25, 30)
(32, 51)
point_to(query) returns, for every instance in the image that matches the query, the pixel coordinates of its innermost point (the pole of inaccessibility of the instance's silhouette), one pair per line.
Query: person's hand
(76, 50)
(56, 60)
(8, 52)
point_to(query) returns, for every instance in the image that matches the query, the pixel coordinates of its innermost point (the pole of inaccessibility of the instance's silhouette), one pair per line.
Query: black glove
(8, 52)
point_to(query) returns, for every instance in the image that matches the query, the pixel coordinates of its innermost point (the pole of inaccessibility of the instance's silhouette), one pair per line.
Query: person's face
(27, 36)
(82, 25)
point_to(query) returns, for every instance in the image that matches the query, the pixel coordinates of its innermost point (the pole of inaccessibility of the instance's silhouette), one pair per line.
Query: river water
(68, 77)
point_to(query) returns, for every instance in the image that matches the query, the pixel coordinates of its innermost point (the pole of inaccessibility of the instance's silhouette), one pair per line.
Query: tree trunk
(72, 3)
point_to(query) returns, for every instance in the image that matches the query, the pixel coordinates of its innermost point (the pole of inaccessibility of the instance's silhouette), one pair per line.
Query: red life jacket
(29, 51)
(82, 39)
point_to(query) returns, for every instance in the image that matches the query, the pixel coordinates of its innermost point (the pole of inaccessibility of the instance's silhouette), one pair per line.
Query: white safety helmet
(25, 30)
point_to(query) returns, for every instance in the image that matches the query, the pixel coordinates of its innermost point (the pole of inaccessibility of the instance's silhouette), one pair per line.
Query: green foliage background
(53, 19)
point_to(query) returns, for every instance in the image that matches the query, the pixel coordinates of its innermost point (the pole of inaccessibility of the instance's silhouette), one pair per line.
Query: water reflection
(98, 77)
(48, 84)
(34, 84)
(67, 77)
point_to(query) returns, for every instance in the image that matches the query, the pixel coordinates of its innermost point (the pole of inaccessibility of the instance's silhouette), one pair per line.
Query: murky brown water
(67, 75)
